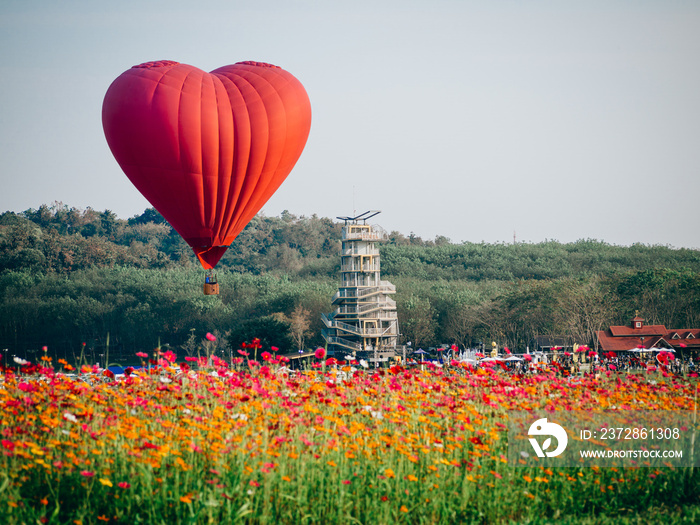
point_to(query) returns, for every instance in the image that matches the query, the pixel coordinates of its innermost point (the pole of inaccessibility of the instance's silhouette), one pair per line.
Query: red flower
(320, 353)
(211, 337)
(476, 440)
(123, 485)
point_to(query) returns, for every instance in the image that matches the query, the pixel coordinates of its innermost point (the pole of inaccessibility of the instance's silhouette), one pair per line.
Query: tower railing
(355, 251)
(359, 293)
(365, 235)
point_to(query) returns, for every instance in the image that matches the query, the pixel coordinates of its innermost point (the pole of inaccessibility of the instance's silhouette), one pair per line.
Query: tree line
(70, 276)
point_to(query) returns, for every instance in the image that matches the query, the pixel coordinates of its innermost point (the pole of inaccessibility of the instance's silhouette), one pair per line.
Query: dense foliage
(69, 276)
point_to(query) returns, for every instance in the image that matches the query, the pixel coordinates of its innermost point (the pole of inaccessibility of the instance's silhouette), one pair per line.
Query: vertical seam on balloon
(258, 194)
(180, 127)
(209, 213)
(224, 172)
(229, 83)
(236, 218)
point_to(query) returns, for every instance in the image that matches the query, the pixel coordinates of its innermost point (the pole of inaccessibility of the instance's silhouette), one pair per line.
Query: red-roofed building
(639, 335)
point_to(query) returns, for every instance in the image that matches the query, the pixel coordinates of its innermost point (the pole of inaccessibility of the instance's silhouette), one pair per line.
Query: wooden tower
(364, 323)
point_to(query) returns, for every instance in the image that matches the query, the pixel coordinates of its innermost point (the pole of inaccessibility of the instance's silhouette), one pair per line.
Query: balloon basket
(211, 286)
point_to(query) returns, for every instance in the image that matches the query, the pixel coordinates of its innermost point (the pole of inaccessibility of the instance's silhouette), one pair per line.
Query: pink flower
(210, 337)
(170, 356)
(274, 348)
(320, 353)
(87, 473)
(527, 357)
(123, 485)
(242, 352)
(142, 354)
(266, 356)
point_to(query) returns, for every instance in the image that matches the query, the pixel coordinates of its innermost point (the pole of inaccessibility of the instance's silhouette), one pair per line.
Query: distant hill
(61, 239)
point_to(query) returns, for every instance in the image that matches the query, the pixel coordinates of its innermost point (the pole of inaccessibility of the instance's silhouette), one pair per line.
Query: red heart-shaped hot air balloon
(207, 150)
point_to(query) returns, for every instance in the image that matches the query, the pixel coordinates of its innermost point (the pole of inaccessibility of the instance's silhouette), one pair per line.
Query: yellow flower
(106, 482)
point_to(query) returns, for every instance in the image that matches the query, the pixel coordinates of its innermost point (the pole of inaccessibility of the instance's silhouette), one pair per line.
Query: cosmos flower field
(249, 442)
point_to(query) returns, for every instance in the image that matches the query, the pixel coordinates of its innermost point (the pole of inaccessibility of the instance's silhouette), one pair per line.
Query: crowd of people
(586, 361)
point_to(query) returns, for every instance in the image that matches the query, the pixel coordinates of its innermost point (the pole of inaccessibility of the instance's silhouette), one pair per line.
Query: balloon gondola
(207, 150)
(211, 285)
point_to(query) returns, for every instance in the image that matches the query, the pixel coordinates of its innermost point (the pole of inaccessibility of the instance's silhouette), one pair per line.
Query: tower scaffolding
(364, 323)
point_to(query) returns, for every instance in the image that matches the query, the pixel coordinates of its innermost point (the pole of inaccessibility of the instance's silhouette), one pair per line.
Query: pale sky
(557, 120)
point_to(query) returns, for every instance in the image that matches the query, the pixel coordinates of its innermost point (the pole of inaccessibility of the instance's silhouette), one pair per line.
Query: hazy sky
(470, 119)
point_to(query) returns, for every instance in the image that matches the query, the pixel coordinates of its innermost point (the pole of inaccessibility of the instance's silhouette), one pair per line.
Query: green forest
(77, 280)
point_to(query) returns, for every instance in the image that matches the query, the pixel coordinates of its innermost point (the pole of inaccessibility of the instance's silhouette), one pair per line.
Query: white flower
(363, 363)
(524, 454)
(348, 358)
(166, 380)
(70, 417)
(242, 417)
(21, 361)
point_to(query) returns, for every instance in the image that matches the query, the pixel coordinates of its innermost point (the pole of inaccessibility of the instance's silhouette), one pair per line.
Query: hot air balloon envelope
(207, 150)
